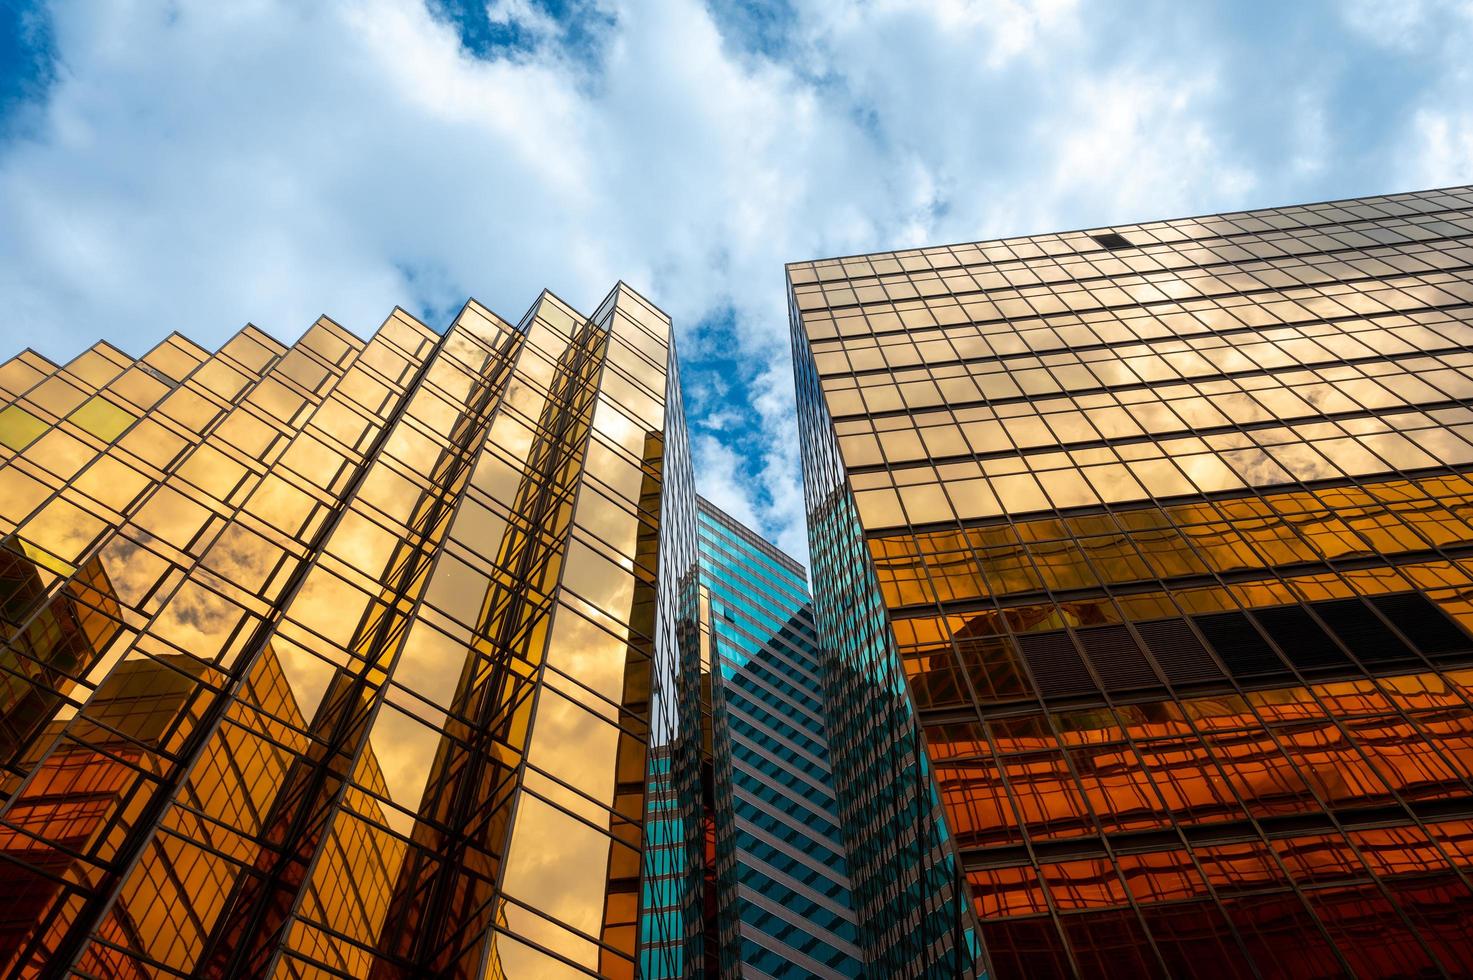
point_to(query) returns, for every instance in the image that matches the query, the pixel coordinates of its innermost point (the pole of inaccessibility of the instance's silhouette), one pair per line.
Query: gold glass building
(1144, 562)
(351, 659)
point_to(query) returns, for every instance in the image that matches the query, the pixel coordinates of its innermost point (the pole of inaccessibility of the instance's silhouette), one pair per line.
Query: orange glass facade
(349, 658)
(1170, 527)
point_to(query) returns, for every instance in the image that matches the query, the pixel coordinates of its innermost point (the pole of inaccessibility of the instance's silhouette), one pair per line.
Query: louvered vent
(1116, 658)
(1241, 642)
(1112, 240)
(1363, 632)
(1055, 663)
(1302, 640)
(1424, 623)
(1178, 651)
(1239, 645)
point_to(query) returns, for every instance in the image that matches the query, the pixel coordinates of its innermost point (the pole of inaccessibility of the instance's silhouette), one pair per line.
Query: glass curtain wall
(784, 889)
(1161, 534)
(349, 658)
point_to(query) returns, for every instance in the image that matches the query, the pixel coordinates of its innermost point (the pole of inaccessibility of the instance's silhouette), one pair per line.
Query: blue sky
(197, 165)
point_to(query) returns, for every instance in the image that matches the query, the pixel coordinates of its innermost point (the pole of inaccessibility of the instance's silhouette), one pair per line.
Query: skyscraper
(1144, 553)
(784, 907)
(352, 658)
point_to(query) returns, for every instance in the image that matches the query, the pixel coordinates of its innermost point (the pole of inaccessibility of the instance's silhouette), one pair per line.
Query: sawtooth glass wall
(785, 908)
(351, 658)
(1166, 528)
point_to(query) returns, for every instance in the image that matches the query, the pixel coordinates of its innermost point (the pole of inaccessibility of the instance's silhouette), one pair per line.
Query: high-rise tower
(783, 890)
(351, 658)
(1144, 552)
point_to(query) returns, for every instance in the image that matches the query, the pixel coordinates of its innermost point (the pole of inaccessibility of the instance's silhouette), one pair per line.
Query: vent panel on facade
(1424, 623)
(1056, 664)
(1366, 636)
(1301, 639)
(1113, 240)
(1178, 651)
(1116, 658)
(1239, 645)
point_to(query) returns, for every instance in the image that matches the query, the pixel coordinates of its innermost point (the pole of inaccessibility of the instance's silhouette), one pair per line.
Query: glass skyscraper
(1139, 642)
(1141, 559)
(783, 890)
(352, 658)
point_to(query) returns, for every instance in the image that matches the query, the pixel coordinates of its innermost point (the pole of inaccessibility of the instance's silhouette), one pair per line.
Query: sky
(195, 166)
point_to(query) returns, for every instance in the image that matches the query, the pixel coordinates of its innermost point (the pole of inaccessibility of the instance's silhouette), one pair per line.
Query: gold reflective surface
(332, 659)
(1172, 530)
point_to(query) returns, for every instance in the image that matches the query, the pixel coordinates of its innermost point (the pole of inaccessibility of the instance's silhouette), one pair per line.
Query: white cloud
(523, 14)
(1135, 143)
(202, 164)
(1446, 147)
(1438, 134)
(1406, 24)
(721, 478)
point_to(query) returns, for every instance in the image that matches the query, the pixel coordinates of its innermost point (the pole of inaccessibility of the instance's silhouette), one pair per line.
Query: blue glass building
(784, 903)
(908, 885)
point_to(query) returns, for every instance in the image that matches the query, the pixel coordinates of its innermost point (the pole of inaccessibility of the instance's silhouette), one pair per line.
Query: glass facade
(352, 658)
(785, 908)
(1155, 542)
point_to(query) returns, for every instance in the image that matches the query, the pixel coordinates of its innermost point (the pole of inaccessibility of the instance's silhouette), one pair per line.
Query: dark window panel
(1111, 944)
(1195, 940)
(1026, 948)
